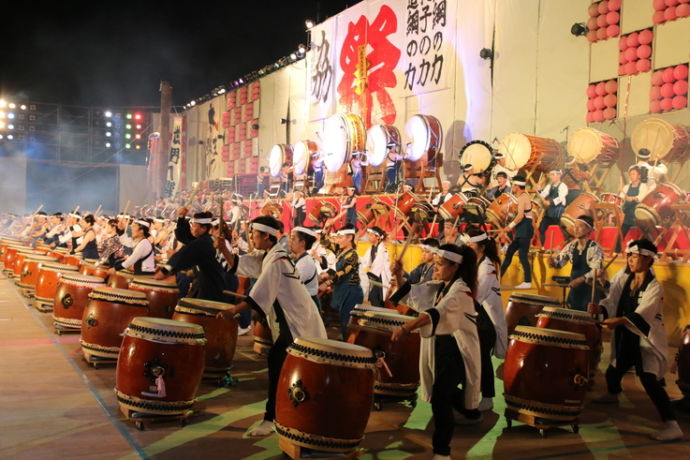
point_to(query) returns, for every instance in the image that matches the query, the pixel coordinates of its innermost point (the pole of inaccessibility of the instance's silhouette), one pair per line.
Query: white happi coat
(457, 317)
(653, 346)
(277, 280)
(380, 266)
(489, 296)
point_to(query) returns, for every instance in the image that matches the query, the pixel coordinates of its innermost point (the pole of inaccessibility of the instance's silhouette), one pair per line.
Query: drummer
(651, 174)
(442, 196)
(500, 167)
(376, 265)
(142, 260)
(422, 273)
(302, 240)
(299, 208)
(393, 163)
(88, 246)
(356, 167)
(632, 194)
(469, 181)
(574, 177)
(317, 166)
(554, 195)
(350, 207)
(453, 357)
(586, 257)
(280, 296)
(502, 186)
(634, 310)
(523, 232)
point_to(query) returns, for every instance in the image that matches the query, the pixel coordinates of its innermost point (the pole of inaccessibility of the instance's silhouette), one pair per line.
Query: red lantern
(654, 93)
(657, 78)
(670, 13)
(644, 51)
(658, 17)
(680, 72)
(645, 37)
(611, 86)
(633, 39)
(603, 7)
(667, 90)
(680, 102)
(601, 88)
(683, 11)
(666, 104)
(680, 88)
(643, 65)
(610, 100)
(591, 90)
(609, 113)
(612, 31)
(668, 75)
(655, 107)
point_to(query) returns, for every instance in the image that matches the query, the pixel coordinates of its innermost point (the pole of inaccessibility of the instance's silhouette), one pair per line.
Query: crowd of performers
(297, 276)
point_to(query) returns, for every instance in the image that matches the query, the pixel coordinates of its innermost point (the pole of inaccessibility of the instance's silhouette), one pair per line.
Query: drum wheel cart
(43, 307)
(96, 361)
(379, 400)
(141, 419)
(296, 452)
(59, 330)
(537, 422)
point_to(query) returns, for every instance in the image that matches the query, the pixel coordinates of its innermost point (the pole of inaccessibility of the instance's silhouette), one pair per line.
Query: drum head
(115, 295)
(567, 314)
(551, 337)
(585, 144)
(517, 150)
(478, 154)
(207, 307)
(418, 131)
(300, 157)
(377, 145)
(59, 267)
(83, 279)
(656, 135)
(162, 325)
(147, 282)
(535, 299)
(336, 146)
(276, 159)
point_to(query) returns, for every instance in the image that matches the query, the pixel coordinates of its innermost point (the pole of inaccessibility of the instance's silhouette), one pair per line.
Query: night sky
(116, 53)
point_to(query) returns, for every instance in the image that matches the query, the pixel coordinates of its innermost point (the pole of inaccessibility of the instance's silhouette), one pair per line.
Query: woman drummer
(586, 256)
(524, 230)
(112, 249)
(142, 260)
(88, 246)
(450, 353)
(632, 193)
(634, 310)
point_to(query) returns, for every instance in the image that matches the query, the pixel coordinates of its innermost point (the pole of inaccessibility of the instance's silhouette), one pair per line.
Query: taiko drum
(523, 309)
(502, 210)
(162, 295)
(29, 273)
(71, 298)
(49, 276)
(93, 268)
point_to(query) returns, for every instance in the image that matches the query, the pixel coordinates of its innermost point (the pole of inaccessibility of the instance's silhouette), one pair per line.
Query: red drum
(453, 207)
(19, 262)
(221, 334)
(479, 154)
(371, 211)
(502, 210)
(71, 298)
(612, 198)
(522, 309)
(427, 137)
(263, 339)
(587, 145)
(120, 279)
(324, 394)
(477, 205)
(657, 207)
(322, 211)
(159, 367)
(92, 268)
(663, 140)
(380, 140)
(683, 359)
(575, 321)
(409, 203)
(29, 273)
(162, 295)
(373, 329)
(360, 309)
(583, 205)
(72, 259)
(49, 275)
(545, 376)
(13, 254)
(105, 319)
(274, 210)
(523, 151)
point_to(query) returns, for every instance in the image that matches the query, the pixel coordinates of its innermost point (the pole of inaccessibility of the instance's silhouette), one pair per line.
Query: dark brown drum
(502, 210)
(160, 366)
(324, 395)
(373, 329)
(583, 205)
(29, 273)
(49, 276)
(120, 279)
(162, 295)
(545, 376)
(92, 268)
(71, 298)
(563, 319)
(523, 309)
(105, 319)
(221, 334)
(453, 207)
(684, 364)
(263, 339)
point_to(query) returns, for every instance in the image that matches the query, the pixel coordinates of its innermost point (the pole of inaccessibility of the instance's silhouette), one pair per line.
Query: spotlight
(138, 126)
(129, 116)
(108, 114)
(137, 116)
(109, 124)
(486, 53)
(12, 105)
(128, 126)
(137, 136)
(10, 137)
(241, 81)
(578, 29)
(293, 56)
(128, 136)
(22, 107)
(192, 103)
(107, 145)
(3, 103)
(0, 137)
(309, 23)
(10, 126)
(10, 116)
(2, 124)
(138, 147)
(301, 49)
(108, 134)
(128, 146)
(2, 114)
(221, 91)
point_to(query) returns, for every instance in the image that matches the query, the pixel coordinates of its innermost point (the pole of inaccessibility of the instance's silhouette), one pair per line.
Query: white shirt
(308, 273)
(654, 173)
(142, 248)
(498, 168)
(489, 295)
(437, 199)
(562, 193)
(642, 192)
(379, 266)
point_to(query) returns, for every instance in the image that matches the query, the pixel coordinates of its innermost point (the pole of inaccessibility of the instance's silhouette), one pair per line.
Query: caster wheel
(542, 432)
(576, 429)
(377, 407)
(95, 365)
(139, 425)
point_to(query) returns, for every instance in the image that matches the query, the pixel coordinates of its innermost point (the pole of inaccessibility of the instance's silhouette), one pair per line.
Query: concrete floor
(55, 406)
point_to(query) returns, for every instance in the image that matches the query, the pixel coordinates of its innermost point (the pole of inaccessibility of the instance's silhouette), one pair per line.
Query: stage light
(10, 126)
(2, 124)
(128, 136)
(107, 145)
(137, 116)
(309, 23)
(10, 116)
(2, 114)
(486, 53)
(128, 146)
(0, 137)
(3, 103)
(192, 103)
(293, 56)
(578, 29)
(12, 105)
(10, 137)
(109, 124)
(128, 126)
(137, 136)
(138, 126)
(22, 107)
(138, 147)
(301, 49)
(108, 114)
(108, 134)
(129, 116)
(221, 91)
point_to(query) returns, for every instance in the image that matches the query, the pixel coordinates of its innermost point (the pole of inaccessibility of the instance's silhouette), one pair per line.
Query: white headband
(453, 257)
(265, 228)
(478, 238)
(143, 223)
(380, 235)
(76, 216)
(159, 219)
(215, 222)
(426, 247)
(518, 182)
(306, 231)
(584, 222)
(636, 250)
(123, 216)
(201, 220)
(346, 231)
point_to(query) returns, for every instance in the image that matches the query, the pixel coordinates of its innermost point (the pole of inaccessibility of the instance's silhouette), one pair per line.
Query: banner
(175, 157)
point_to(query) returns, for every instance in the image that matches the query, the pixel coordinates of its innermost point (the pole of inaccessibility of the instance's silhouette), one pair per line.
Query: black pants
(487, 341)
(522, 246)
(653, 387)
(546, 222)
(276, 357)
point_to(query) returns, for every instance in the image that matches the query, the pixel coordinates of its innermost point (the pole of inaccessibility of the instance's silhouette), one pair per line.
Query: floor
(55, 406)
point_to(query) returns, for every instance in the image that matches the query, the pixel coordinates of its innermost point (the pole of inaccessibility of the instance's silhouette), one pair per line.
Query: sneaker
(486, 404)
(523, 286)
(243, 330)
(606, 398)
(264, 429)
(670, 432)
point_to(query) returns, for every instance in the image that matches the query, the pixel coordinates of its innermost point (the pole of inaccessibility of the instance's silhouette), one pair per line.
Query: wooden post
(164, 151)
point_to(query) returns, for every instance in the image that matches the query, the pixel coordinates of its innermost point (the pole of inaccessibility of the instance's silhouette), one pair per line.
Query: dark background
(115, 53)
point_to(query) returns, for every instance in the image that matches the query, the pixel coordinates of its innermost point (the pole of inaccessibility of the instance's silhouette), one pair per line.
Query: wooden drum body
(29, 273)
(10, 258)
(380, 140)
(612, 198)
(426, 135)
(657, 206)
(221, 334)
(263, 339)
(502, 210)
(522, 309)
(523, 151)
(49, 275)
(91, 268)
(583, 205)
(453, 207)
(161, 294)
(545, 376)
(664, 140)
(18, 262)
(159, 367)
(580, 322)
(373, 329)
(588, 145)
(120, 279)
(71, 298)
(105, 319)
(325, 394)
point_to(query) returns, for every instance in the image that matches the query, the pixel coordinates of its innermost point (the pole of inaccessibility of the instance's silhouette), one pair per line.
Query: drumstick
(615, 256)
(192, 195)
(594, 286)
(129, 202)
(98, 210)
(38, 209)
(236, 294)
(76, 210)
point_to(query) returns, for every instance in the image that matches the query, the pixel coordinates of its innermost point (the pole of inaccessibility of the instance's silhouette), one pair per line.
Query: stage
(56, 406)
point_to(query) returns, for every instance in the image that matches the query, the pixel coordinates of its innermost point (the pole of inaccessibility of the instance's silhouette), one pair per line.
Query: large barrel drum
(49, 275)
(14, 256)
(162, 295)
(545, 376)
(105, 319)
(160, 366)
(523, 309)
(263, 339)
(373, 329)
(325, 394)
(28, 275)
(221, 334)
(120, 279)
(93, 268)
(71, 298)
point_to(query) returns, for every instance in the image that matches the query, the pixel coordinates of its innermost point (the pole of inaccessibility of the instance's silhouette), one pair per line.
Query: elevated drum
(426, 138)
(522, 309)
(524, 151)
(545, 376)
(373, 329)
(344, 134)
(413, 206)
(321, 211)
(590, 145)
(159, 367)
(280, 153)
(105, 319)
(502, 210)
(161, 294)
(479, 154)
(302, 155)
(221, 334)
(49, 275)
(657, 206)
(663, 140)
(380, 140)
(29, 273)
(322, 384)
(583, 205)
(71, 298)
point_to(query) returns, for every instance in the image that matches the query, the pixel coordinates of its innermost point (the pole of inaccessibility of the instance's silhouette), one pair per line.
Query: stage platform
(55, 406)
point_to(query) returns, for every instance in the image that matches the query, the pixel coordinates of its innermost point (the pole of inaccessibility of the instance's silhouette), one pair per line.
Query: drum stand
(598, 176)
(678, 227)
(600, 221)
(43, 307)
(537, 422)
(374, 179)
(296, 452)
(142, 418)
(421, 169)
(96, 361)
